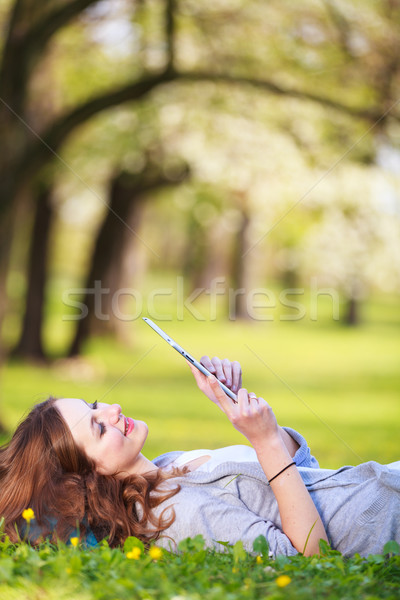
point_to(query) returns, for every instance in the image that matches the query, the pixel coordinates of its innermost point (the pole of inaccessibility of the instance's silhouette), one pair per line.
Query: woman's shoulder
(168, 457)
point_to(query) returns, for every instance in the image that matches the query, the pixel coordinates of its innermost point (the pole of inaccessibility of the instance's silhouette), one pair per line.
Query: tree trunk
(352, 316)
(118, 278)
(30, 344)
(238, 270)
(106, 257)
(7, 222)
(106, 271)
(196, 257)
(6, 226)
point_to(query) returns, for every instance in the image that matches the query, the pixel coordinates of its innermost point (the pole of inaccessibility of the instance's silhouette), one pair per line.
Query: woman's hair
(43, 468)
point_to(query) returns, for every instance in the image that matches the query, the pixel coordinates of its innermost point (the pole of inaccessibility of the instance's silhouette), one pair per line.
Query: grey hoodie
(359, 506)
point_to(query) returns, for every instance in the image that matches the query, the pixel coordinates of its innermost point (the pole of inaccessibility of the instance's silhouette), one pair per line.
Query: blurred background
(232, 171)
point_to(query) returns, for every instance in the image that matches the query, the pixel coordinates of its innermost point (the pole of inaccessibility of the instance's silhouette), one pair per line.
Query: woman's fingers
(201, 379)
(204, 383)
(219, 371)
(214, 365)
(236, 376)
(227, 367)
(223, 400)
(228, 372)
(251, 415)
(206, 362)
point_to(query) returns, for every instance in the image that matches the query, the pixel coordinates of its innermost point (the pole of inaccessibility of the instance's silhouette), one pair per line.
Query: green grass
(194, 573)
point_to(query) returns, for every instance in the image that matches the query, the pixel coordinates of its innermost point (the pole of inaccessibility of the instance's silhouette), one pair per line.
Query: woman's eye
(94, 405)
(102, 429)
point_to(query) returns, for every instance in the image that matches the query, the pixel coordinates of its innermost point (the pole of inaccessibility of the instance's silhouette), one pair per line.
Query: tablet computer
(186, 355)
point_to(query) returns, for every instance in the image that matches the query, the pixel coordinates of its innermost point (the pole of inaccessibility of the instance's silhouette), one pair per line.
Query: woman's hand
(226, 371)
(230, 373)
(251, 416)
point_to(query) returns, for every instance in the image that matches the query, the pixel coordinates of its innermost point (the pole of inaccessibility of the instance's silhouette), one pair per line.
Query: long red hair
(43, 468)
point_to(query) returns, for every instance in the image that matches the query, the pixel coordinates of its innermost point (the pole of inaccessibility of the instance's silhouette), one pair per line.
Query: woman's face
(109, 438)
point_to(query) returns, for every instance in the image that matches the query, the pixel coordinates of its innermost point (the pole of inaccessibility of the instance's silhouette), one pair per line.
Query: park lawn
(68, 572)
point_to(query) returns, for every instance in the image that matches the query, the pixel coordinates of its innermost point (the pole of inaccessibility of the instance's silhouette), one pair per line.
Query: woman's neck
(142, 465)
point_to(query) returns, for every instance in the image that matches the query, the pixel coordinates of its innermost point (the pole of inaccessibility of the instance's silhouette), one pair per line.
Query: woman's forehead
(75, 412)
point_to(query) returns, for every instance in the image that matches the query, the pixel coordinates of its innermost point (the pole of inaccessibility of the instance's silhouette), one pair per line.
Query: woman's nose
(115, 411)
(112, 412)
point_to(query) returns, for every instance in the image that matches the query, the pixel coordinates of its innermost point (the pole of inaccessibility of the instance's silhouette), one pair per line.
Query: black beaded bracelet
(280, 472)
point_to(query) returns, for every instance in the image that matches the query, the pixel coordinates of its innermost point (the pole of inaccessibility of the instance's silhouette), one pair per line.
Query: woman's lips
(129, 425)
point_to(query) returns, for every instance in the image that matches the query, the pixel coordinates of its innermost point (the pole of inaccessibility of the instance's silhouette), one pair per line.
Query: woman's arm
(254, 418)
(230, 373)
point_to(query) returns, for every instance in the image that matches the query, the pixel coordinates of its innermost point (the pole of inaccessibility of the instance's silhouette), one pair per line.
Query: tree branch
(50, 141)
(22, 49)
(12, 41)
(170, 32)
(37, 37)
(341, 25)
(360, 113)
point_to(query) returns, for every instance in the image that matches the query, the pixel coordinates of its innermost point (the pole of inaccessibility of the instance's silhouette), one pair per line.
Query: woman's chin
(143, 426)
(145, 431)
(140, 431)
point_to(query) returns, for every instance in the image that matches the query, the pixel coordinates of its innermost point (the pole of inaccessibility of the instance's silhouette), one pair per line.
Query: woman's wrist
(291, 464)
(267, 444)
(272, 455)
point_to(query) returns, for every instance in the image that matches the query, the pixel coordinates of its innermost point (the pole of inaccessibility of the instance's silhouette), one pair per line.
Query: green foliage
(260, 546)
(133, 542)
(391, 548)
(195, 572)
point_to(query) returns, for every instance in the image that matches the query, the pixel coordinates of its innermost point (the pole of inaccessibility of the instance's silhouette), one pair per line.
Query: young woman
(81, 465)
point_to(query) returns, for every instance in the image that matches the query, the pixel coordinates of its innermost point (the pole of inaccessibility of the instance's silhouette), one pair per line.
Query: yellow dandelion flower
(155, 553)
(28, 515)
(283, 580)
(74, 541)
(68, 570)
(134, 553)
(259, 560)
